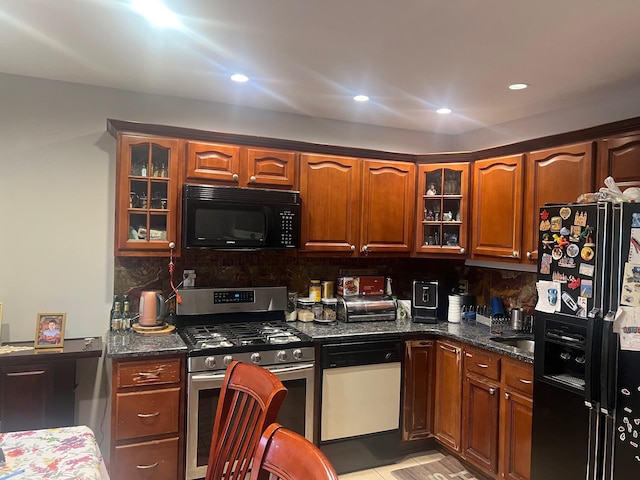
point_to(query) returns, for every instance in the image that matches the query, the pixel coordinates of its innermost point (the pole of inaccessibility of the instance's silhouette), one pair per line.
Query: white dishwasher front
(359, 400)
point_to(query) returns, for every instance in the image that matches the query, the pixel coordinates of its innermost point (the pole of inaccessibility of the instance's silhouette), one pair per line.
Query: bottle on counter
(116, 317)
(126, 315)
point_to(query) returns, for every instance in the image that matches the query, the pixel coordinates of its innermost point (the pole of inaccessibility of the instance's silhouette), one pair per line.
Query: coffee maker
(428, 301)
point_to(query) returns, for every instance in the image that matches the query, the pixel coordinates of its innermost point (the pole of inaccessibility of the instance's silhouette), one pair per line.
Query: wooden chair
(250, 399)
(288, 455)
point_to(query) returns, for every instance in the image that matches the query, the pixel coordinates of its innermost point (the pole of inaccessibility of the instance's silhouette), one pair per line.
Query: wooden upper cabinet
(619, 157)
(388, 205)
(330, 189)
(147, 190)
(270, 168)
(213, 162)
(496, 219)
(234, 165)
(557, 175)
(442, 211)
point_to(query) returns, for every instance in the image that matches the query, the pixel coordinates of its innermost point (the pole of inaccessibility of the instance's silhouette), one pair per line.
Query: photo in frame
(50, 330)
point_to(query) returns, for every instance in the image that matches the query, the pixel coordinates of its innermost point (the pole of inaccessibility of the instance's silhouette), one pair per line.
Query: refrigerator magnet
(556, 224)
(580, 219)
(565, 212)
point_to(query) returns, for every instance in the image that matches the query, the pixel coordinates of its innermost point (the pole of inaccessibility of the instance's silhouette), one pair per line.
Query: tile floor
(384, 473)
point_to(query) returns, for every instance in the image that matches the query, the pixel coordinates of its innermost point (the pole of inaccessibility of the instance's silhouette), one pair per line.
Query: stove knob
(226, 360)
(256, 357)
(282, 356)
(297, 354)
(210, 362)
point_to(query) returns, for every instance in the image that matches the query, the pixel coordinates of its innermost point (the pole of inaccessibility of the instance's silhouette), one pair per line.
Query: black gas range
(220, 325)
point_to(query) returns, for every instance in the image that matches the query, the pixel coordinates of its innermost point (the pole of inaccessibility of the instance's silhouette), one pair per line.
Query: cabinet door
(557, 175)
(270, 168)
(442, 208)
(418, 397)
(26, 395)
(619, 157)
(517, 413)
(497, 208)
(480, 422)
(146, 195)
(448, 406)
(330, 192)
(388, 204)
(213, 162)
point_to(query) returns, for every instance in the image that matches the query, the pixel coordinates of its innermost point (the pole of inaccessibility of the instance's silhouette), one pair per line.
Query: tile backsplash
(270, 267)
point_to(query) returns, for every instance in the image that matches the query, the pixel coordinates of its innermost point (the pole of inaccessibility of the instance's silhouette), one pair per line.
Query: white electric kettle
(152, 309)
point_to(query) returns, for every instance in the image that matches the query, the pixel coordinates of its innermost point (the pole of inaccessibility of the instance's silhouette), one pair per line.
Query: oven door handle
(291, 368)
(206, 377)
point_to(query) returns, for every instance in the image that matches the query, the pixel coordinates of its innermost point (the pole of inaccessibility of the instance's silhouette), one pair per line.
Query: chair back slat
(250, 399)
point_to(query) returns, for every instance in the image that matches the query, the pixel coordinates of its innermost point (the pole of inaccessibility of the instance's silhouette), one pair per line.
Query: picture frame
(50, 330)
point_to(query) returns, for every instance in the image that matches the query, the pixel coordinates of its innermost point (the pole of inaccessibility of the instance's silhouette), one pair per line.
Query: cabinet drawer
(141, 414)
(518, 376)
(135, 374)
(482, 363)
(157, 460)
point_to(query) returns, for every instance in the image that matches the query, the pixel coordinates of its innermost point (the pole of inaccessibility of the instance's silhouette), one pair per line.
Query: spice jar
(305, 309)
(314, 290)
(329, 309)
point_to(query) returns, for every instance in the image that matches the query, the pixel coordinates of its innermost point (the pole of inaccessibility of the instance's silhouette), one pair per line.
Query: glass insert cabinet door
(442, 209)
(147, 193)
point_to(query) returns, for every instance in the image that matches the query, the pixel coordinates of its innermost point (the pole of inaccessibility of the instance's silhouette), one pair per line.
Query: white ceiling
(311, 56)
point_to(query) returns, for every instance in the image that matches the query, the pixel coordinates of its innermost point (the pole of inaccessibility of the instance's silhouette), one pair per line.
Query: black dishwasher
(360, 409)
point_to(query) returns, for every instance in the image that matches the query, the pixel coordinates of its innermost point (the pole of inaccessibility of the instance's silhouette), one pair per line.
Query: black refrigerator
(586, 398)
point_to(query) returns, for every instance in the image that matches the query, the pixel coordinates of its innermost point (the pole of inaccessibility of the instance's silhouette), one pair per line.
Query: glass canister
(329, 309)
(305, 309)
(317, 311)
(314, 290)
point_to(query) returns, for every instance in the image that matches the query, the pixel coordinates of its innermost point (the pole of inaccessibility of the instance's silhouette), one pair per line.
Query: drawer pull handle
(148, 415)
(527, 382)
(482, 365)
(145, 467)
(24, 374)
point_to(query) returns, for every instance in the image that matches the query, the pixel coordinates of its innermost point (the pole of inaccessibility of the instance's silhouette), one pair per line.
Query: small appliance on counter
(366, 309)
(428, 301)
(152, 308)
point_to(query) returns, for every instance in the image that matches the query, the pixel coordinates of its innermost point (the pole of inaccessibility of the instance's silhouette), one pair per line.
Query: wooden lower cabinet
(448, 391)
(418, 394)
(147, 421)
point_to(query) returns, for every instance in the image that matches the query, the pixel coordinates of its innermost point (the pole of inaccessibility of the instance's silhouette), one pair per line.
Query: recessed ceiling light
(156, 13)
(239, 77)
(518, 86)
(361, 98)
(443, 111)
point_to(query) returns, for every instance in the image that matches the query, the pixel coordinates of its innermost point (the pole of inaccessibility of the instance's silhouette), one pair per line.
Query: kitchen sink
(522, 343)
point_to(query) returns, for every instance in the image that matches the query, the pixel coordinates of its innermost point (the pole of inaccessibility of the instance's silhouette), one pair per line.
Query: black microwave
(239, 218)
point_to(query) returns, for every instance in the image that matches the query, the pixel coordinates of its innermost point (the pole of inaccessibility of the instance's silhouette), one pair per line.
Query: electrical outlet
(463, 286)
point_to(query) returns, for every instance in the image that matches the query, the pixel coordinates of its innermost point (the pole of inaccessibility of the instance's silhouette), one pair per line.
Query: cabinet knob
(515, 254)
(529, 255)
(235, 177)
(252, 178)
(506, 395)
(492, 391)
(365, 249)
(462, 250)
(353, 248)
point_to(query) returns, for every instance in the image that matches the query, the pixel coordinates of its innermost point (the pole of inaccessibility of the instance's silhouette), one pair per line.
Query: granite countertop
(478, 334)
(132, 344)
(135, 344)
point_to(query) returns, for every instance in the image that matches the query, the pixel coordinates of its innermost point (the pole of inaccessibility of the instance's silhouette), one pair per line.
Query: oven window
(291, 415)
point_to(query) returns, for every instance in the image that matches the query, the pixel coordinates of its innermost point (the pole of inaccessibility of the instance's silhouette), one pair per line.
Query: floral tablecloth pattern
(58, 453)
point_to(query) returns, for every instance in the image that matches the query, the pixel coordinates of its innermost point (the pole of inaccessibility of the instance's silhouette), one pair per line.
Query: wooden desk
(70, 453)
(37, 387)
